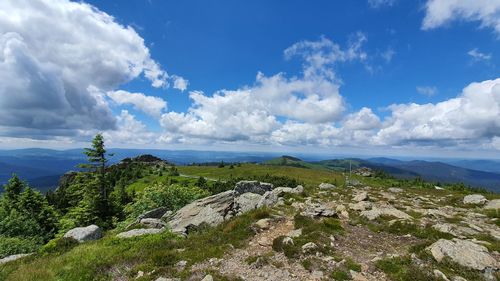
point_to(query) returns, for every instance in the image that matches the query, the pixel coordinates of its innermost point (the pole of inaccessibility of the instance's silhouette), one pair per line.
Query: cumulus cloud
(427, 90)
(470, 117)
(476, 55)
(441, 12)
(180, 83)
(57, 56)
(129, 131)
(153, 106)
(253, 112)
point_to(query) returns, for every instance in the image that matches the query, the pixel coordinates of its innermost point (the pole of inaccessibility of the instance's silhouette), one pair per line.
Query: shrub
(14, 245)
(59, 245)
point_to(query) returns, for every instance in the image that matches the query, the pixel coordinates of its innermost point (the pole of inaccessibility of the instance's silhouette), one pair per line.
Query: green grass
(308, 176)
(402, 269)
(94, 260)
(340, 275)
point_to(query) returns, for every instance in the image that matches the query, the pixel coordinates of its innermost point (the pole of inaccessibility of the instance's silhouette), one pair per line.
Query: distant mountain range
(430, 171)
(43, 167)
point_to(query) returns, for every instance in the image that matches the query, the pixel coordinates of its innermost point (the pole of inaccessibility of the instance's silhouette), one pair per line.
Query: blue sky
(385, 76)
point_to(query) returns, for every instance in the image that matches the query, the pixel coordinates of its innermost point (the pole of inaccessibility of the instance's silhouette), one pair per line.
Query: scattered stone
(139, 232)
(82, 234)
(356, 276)
(152, 223)
(211, 210)
(317, 274)
(295, 233)
(315, 210)
(325, 185)
(253, 187)
(385, 210)
(361, 196)
(140, 274)
(308, 247)
(208, 278)
(13, 258)
(493, 204)
(458, 278)
(441, 276)
(476, 199)
(268, 199)
(455, 230)
(262, 224)
(361, 206)
(395, 189)
(463, 252)
(287, 241)
(181, 265)
(298, 189)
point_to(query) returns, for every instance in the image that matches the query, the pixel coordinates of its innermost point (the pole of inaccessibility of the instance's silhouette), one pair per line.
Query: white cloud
(441, 12)
(427, 90)
(388, 55)
(478, 56)
(180, 83)
(470, 117)
(153, 106)
(252, 113)
(56, 57)
(129, 131)
(380, 3)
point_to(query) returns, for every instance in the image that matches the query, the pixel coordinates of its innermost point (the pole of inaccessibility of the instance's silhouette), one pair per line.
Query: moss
(340, 275)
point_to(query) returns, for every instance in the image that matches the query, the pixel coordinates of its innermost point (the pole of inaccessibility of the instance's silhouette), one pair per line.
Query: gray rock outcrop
(384, 210)
(476, 199)
(82, 234)
(13, 258)
(493, 204)
(325, 185)
(253, 187)
(463, 252)
(211, 210)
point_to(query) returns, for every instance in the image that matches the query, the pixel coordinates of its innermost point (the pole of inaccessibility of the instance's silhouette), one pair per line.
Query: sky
(375, 77)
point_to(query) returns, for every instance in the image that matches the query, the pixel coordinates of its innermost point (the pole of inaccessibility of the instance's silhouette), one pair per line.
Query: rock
(308, 247)
(167, 279)
(208, 278)
(361, 206)
(458, 278)
(140, 274)
(439, 275)
(180, 265)
(294, 233)
(287, 241)
(253, 187)
(82, 234)
(361, 196)
(139, 232)
(317, 274)
(493, 204)
(152, 223)
(326, 186)
(395, 190)
(463, 252)
(167, 215)
(476, 199)
(315, 210)
(455, 230)
(247, 202)
(211, 210)
(13, 258)
(356, 276)
(262, 224)
(385, 210)
(298, 189)
(268, 199)
(153, 214)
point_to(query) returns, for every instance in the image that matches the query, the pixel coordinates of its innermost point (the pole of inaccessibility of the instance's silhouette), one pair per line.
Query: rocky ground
(382, 234)
(330, 233)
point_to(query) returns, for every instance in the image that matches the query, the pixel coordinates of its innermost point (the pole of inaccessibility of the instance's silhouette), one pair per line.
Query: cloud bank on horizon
(63, 66)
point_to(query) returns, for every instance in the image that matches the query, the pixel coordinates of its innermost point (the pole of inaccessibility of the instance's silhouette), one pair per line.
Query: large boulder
(139, 232)
(82, 234)
(211, 210)
(152, 223)
(463, 252)
(253, 187)
(493, 204)
(476, 199)
(360, 196)
(247, 202)
(153, 214)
